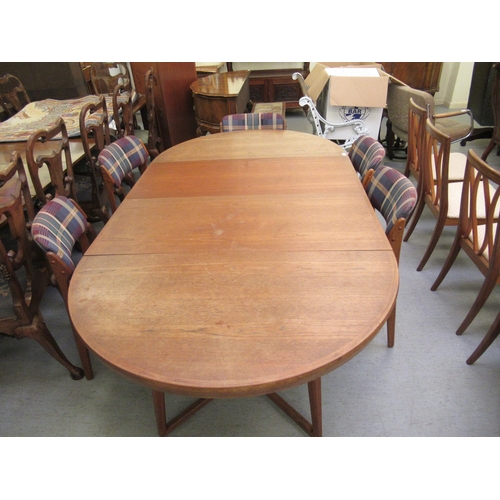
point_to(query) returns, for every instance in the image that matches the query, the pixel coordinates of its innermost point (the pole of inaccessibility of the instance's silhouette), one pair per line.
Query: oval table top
(240, 264)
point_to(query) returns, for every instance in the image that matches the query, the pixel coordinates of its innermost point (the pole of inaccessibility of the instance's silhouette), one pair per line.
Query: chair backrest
(479, 213)
(14, 198)
(106, 76)
(155, 143)
(435, 165)
(123, 115)
(12, 94)
(117, 162)
(394, 196)
(251, 121)
(398, 104)
(94, 129)
(366, 154)
(57, 227)
(417, 116)
(59, 162)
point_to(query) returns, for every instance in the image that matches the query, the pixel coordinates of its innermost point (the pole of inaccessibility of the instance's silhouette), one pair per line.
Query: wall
(455, 85)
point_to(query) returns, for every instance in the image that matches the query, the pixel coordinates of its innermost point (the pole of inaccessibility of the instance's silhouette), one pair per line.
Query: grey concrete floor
(420, 388)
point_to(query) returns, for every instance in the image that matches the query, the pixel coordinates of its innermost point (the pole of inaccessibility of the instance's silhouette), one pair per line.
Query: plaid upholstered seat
(394, 196)
(117, 162)
(57, 227)
(366, 154)
(122, 156)
(250, 121)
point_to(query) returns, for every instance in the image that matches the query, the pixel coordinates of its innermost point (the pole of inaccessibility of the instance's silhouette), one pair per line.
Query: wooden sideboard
(276, 85)
(218, 95)
(173, 98)
(419, 75)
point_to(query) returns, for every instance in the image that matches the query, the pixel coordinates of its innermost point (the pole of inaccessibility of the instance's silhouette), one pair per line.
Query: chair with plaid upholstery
(394, 196)
(56, 228)
(366, 154)
(117, 161)
(252, 121)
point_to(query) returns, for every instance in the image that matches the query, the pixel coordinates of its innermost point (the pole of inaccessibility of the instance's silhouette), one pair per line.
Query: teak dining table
(240, 264)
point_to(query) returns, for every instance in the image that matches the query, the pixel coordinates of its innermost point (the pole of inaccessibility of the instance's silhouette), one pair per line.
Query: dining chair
(58, 164)
(251, 121)
(394, 196)
(13, 95)
(417, 118)
(56, 228)
(105, 76)
(366, 154)
(117, 161)
(26, 281)
(437, 193)
(154, 143)
(94, 131)
(478, 231)
(123, 116)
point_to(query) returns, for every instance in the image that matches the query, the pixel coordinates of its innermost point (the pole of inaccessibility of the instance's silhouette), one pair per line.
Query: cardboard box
(344, 92)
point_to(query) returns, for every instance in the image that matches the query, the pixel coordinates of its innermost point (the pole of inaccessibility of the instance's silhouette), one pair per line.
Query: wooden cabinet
(173, 98)
(419, 75)
(218, 95)
(276, 85)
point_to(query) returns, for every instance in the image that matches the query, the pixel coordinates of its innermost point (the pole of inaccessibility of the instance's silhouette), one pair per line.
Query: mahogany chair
(437, 193)
(58, 163)
(251, 121)
(495, 102)
(13, 95)
(394, 196)
(105, 76)
(94, 131)
(56, 229)
(366, 155)
(123, 115)
(117, 161)
(478, 230)
(26, 289)
(154, 143)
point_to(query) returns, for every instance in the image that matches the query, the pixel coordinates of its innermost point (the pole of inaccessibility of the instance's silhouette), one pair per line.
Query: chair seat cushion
(455, 129)
(122, 156)
(57, 226)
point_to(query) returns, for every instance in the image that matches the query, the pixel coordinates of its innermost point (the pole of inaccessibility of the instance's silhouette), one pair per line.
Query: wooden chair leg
(454, 251)
(415, 217)
(484, 293)
(436, 234)
(488, 339)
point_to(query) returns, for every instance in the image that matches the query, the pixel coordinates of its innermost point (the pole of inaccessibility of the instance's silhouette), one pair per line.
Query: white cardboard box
(346, 93)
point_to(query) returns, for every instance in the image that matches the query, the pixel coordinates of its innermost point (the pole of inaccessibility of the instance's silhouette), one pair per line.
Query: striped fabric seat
(122, 156)
(251, 121)
(392, 194)
(57, 226)
(365, 154)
